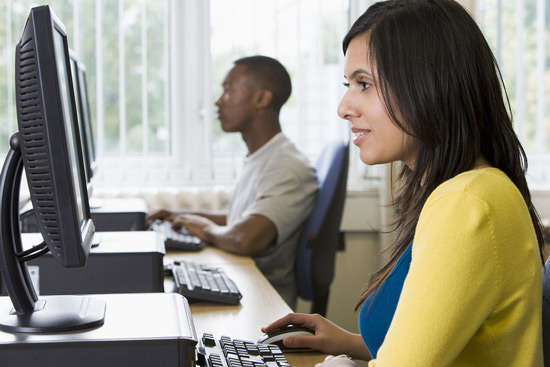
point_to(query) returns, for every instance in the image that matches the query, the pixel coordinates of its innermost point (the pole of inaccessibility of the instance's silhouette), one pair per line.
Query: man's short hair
(269, 74)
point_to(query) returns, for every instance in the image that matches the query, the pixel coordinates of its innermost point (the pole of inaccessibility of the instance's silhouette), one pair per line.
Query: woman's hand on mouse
(341, 360)
(329, 337)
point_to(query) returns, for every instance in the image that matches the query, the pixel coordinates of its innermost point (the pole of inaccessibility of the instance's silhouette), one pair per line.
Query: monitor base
(56, 314)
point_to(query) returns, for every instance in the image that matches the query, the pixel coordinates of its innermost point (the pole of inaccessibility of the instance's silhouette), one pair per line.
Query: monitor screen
(48, 128)
(84, 119)
(70, 121)
(48, 147)
(88, 137)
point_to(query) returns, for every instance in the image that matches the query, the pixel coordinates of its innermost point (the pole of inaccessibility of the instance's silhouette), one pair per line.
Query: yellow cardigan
(473, 294)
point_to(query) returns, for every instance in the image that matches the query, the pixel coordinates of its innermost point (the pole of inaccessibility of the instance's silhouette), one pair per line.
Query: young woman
(463, 286)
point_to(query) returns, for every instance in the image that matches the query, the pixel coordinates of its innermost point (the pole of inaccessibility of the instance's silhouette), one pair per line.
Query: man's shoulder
(286, 151)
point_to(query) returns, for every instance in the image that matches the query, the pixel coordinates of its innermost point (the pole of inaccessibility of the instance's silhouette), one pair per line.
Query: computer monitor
(78, 72)
(47, 145)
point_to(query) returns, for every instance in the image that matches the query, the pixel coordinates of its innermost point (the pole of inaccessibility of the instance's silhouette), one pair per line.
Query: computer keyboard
(177, 239)
(203, 283)
(227, 352)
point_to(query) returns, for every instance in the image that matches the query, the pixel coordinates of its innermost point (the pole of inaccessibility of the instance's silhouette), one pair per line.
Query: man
(277, 188)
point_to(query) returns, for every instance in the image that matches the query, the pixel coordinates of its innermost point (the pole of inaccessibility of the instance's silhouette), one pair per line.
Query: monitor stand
(140, 330)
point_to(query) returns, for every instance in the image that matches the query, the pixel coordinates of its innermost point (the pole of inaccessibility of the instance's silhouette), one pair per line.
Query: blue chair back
(321, 234)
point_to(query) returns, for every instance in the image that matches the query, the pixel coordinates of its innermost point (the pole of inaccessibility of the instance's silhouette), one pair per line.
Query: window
(306, 37)
(155, 68)
(124, 45)
(519, 33)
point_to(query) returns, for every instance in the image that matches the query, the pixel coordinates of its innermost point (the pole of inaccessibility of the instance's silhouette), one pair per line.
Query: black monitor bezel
(54, 208)
(52, 160)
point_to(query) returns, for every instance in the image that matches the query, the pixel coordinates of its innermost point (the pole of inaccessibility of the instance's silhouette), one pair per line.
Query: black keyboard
(177, 239)
(203, 283)
(227, 352)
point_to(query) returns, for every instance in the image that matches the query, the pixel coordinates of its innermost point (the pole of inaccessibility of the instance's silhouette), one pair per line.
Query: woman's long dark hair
(441, 85)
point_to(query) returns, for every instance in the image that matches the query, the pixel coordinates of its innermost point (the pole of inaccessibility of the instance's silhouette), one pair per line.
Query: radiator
(176, 199)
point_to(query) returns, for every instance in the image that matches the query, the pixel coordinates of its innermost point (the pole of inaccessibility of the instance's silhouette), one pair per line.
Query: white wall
(353, 268)
(469, 4)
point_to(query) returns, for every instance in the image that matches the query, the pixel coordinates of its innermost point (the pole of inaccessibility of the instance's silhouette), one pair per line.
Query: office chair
(321, 234)
(546, 312)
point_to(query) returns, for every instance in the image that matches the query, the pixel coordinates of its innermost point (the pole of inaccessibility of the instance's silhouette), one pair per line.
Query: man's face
(236, 104)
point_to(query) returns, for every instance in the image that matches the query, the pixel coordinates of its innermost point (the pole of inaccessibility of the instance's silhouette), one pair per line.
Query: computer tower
(122, 262)
(109, 214)
(119, 214)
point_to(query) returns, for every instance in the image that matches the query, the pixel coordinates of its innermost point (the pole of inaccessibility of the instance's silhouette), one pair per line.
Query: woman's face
(378, 138)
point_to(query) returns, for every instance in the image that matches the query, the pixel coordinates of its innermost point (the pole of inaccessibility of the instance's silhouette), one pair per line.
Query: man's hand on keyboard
(195, 224)
(162, 214)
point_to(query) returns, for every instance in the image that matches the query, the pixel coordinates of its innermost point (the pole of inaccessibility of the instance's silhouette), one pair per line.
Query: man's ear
(264, 98)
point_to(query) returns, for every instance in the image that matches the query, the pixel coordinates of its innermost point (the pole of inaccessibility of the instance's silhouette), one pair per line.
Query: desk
(260, 304)
(211, 256)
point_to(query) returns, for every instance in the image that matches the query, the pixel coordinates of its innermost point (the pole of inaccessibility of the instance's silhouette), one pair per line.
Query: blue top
(377, 311)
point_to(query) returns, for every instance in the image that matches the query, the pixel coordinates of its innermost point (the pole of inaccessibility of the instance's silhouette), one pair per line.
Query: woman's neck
(481, 162)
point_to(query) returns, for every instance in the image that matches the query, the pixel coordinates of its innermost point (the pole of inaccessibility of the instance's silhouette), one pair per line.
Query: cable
(33, 253)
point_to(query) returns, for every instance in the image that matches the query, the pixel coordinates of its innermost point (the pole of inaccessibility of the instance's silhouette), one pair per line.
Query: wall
(360, 258)
(469, 4)
(354, 264)
(541, 201)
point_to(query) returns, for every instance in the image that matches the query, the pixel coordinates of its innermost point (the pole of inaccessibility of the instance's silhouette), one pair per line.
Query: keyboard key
(208, 340)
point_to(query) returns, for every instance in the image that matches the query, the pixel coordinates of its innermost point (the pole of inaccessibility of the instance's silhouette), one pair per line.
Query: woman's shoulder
(484, 194)
(478, 206)
(485, 184)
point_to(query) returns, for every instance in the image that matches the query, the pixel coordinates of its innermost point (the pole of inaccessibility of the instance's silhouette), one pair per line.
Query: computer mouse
(276, 337)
